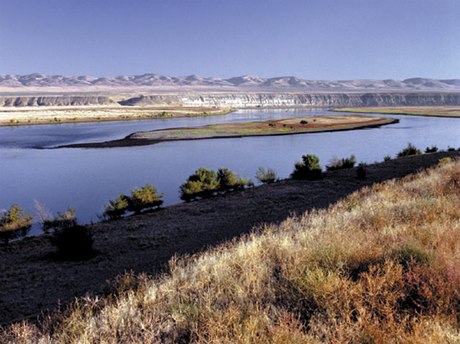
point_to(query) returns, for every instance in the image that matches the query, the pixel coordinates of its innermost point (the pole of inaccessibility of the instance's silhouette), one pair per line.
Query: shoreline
(423, 111)
(129, 141)
(79, 114)
(33, 284)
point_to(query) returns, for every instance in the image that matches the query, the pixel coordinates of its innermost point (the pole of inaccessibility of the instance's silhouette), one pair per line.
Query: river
(85, 179)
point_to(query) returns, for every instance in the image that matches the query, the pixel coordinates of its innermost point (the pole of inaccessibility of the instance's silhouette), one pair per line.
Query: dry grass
(74, 114)
(436, 111)
(381, 266)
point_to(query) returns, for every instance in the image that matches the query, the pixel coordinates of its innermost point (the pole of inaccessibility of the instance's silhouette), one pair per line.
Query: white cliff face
(64, 100)
(279, 100)
(243, 100)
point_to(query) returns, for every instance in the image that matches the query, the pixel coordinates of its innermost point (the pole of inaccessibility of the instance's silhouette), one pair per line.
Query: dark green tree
(144, 198)
(203, 183)
(309, 168)
(117, 207)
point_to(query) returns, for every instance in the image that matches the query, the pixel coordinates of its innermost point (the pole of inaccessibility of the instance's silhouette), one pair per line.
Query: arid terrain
(12, 116)
(33, 281)
(38, 99)
(436, 111)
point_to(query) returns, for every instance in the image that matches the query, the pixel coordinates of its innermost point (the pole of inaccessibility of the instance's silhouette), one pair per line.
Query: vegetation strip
(383, 261)
(289, 126)
(32, 282)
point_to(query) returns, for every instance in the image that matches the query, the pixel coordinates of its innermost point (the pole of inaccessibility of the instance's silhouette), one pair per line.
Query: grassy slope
(436, 111)
(379, 266)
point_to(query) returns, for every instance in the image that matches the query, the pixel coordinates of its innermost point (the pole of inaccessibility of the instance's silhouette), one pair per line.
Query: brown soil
(33, 282)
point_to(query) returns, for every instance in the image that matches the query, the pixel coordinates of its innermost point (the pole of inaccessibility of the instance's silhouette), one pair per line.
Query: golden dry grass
(381, 266)
(73, 114)
(436, 111)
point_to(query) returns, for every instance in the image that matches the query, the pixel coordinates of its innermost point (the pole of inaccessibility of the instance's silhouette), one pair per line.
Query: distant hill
(245, 82)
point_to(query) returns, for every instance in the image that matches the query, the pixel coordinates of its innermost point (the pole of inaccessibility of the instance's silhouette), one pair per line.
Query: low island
(290, 126)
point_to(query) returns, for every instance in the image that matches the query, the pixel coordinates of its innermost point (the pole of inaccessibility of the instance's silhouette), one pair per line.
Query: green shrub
(14, 223)
(144, 198)
(339, 164)
(203, 183)
(444, 160)
(228, 180)
(73, 243)
(450, 149)
(266, 176)
(117, 207)
(309, 168)
(386, 158)
(66, 219)
(361, 171)
(432, 149)
(409, 150)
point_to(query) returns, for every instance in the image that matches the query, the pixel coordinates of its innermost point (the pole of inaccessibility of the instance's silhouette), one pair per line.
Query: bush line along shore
(379, 262)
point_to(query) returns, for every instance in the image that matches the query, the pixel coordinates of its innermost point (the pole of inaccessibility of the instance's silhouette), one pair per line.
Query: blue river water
(85, 179)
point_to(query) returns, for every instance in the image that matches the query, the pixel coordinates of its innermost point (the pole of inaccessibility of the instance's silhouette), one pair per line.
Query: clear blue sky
(313, 39)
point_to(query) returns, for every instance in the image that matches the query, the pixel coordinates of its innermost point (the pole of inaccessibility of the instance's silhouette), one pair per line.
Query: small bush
(450, 149)
(386, 158)
(203, 183)
(410, 253)
(303, 122)
(432, 149)
(14, 223)
(117, 207)
(361, 171)
(227, 180)
(445, 160)
(309, 168)
(73, 243)
(339, 164)
(144, 198)
(266, 176)
(66, 219)
(409, 150)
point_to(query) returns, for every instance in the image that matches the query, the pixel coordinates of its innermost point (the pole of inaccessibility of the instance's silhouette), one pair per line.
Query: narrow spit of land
(32, 282)
(299, 125)
(434, 111)
(15, 116)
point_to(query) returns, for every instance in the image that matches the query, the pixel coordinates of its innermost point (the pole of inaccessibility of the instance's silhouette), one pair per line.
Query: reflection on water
(86, 178)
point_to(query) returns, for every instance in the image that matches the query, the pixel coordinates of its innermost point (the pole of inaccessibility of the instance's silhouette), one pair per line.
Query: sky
(312, 39)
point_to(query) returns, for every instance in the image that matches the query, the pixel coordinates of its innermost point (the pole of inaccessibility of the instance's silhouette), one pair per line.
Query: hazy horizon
(313, 40)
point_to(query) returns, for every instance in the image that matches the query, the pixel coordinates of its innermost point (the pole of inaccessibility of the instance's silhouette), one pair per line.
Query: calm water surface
(86, 179)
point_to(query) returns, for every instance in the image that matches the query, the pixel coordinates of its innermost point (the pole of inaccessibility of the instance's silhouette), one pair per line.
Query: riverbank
(291, 126)
(16, 116)
(430, 111)
(33, 282)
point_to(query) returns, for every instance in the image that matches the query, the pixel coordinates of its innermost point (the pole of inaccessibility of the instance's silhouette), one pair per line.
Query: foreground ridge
(379, 265)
